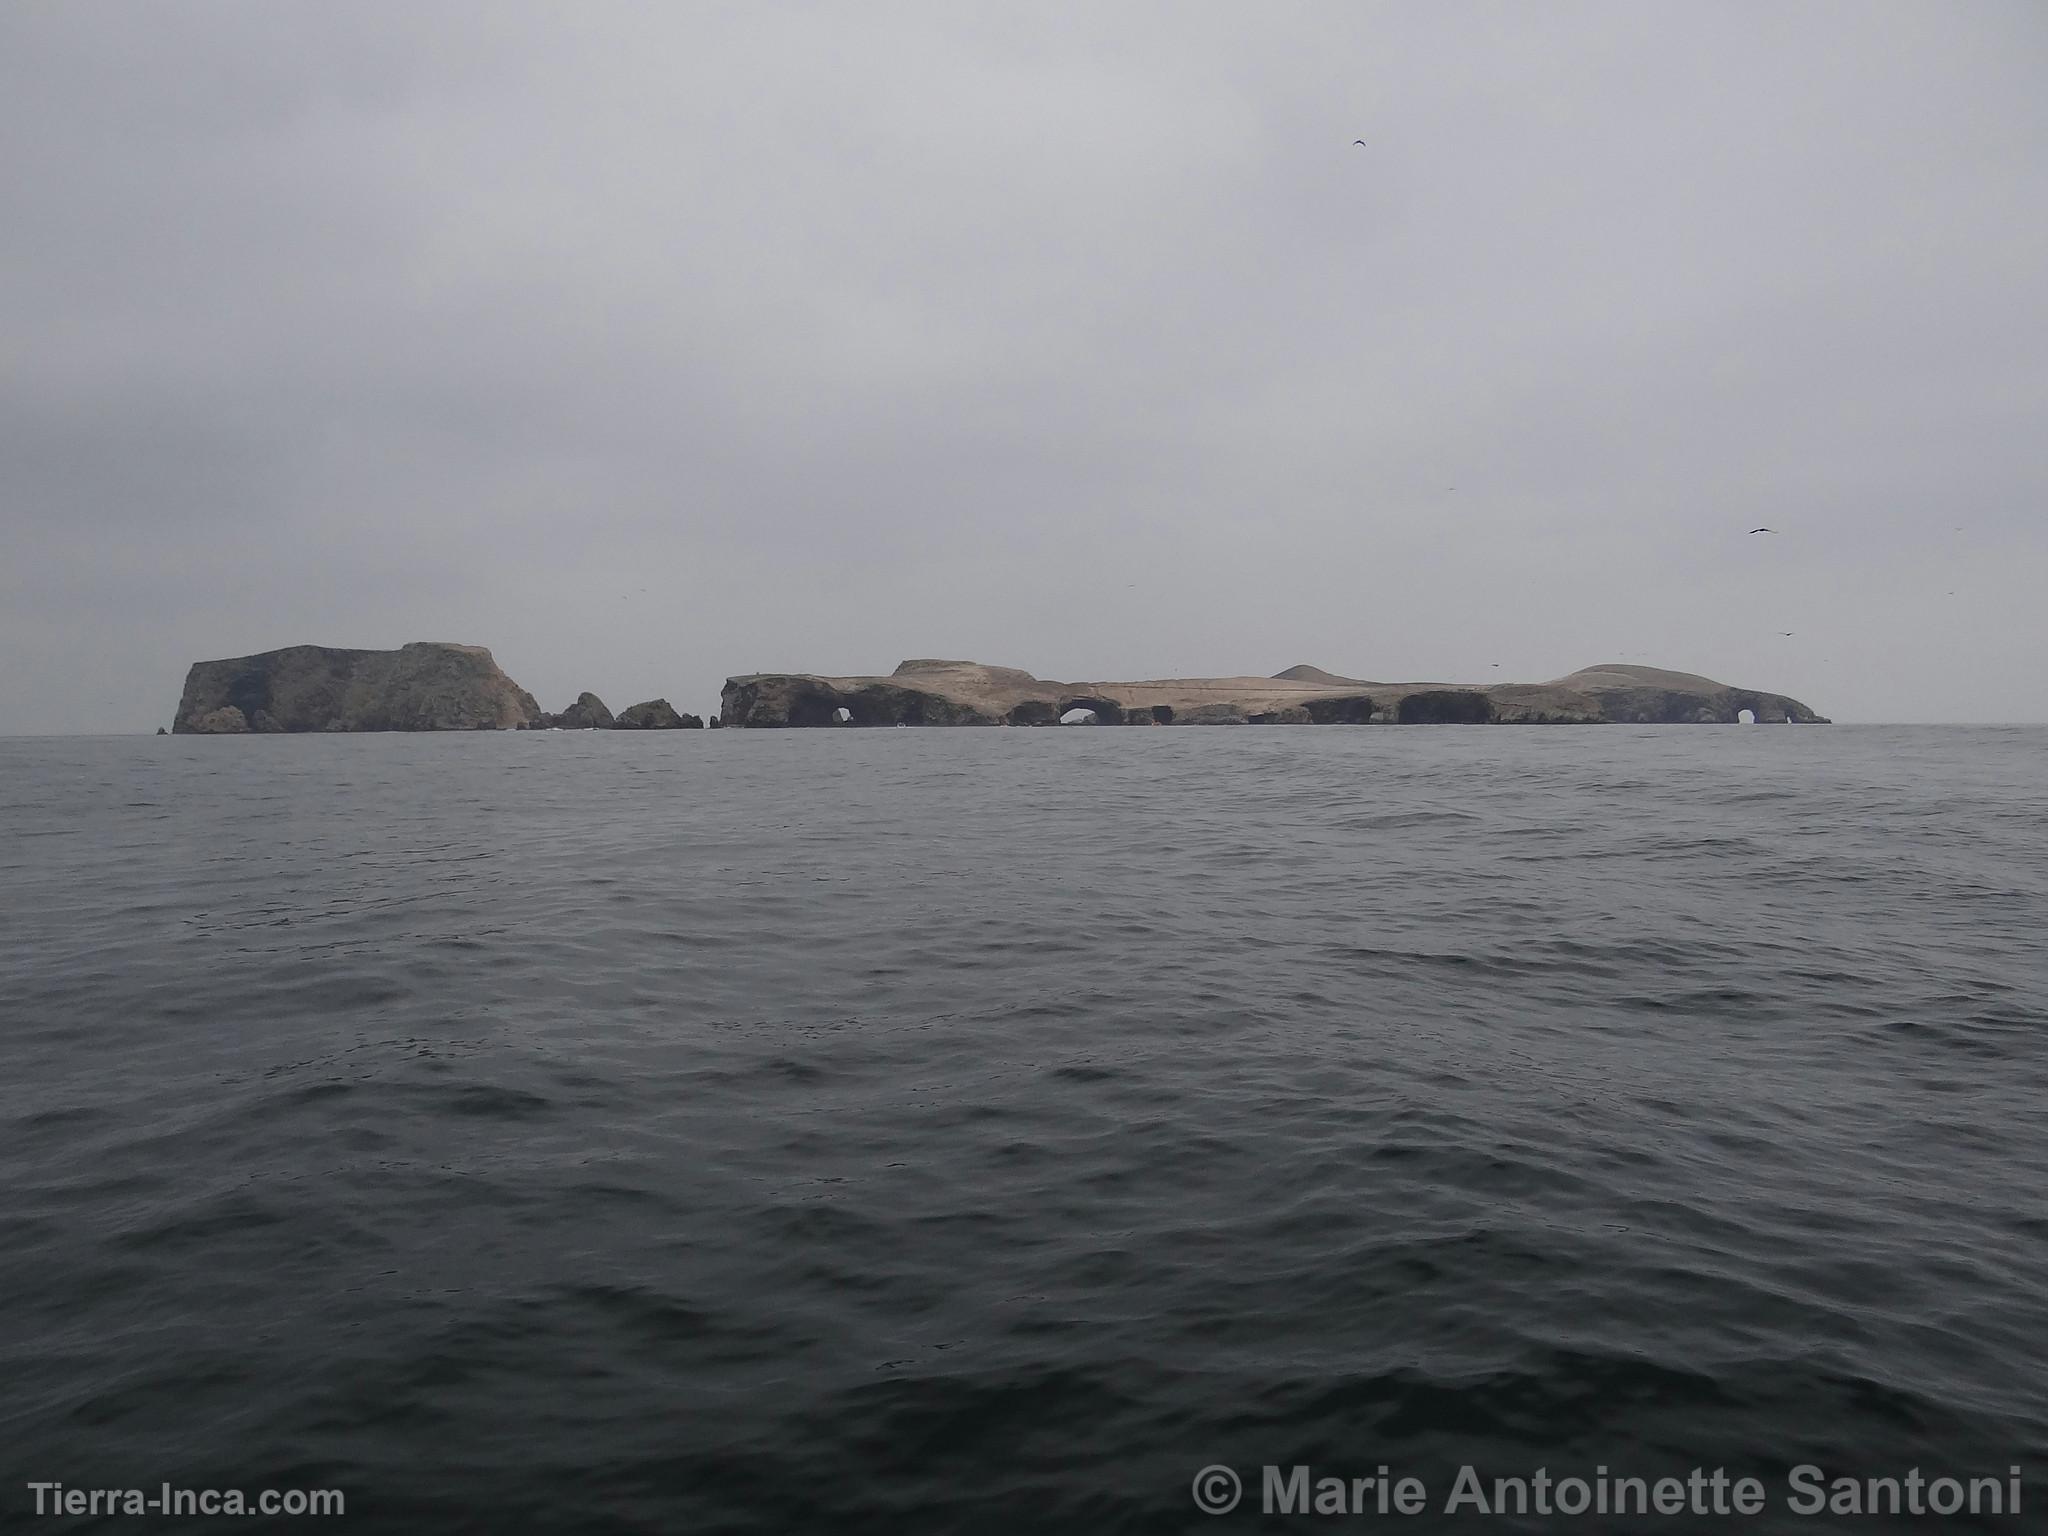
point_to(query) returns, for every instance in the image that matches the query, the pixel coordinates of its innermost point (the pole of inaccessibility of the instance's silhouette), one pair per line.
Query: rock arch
(814, 704)
(1766, 708)
(1106, 711)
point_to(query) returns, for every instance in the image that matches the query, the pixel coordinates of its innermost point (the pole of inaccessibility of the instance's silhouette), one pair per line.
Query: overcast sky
(649, 344)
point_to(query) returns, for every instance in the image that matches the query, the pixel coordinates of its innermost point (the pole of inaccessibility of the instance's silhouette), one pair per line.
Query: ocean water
(990, 1130)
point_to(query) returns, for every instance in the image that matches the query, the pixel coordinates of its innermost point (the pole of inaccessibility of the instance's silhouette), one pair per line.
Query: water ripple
(984, 1130)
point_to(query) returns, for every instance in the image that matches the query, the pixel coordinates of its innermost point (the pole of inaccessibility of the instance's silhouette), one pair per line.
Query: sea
(1082, 1130)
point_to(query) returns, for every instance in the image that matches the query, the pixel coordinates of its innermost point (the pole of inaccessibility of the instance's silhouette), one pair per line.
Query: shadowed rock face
(799, 700)
(968, 693)
(1653, 696)
(425, 686)
(1341, 709)
(1444, 706)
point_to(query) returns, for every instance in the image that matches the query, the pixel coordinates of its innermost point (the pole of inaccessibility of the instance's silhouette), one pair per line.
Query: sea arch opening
(1105, 711)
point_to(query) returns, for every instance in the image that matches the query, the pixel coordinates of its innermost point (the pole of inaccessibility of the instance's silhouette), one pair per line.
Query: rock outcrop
(1631, 695)
(425, 686)
(968, 693)
(655, 715)
(586, 714)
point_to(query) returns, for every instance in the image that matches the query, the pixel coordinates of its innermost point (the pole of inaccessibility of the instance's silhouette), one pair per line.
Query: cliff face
(967, 693)
(425, 686)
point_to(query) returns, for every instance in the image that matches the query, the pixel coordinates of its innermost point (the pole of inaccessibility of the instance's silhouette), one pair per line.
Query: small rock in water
(654, 715)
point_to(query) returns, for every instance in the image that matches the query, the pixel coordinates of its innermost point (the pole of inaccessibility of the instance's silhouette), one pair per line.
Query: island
(429, 685)
(426, 686)
(935, 692)
(440, 686)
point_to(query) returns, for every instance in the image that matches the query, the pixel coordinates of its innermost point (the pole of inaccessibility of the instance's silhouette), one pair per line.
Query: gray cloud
(648, 344)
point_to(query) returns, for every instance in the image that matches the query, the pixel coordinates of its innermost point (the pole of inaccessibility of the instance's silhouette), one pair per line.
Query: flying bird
(1358, 141)
(1763, 530)
(1786, 633)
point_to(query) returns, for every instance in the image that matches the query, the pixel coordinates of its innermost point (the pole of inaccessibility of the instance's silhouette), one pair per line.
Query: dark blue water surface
(986, 1130)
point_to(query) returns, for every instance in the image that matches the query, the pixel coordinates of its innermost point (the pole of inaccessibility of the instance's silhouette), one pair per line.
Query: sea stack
(588, 713)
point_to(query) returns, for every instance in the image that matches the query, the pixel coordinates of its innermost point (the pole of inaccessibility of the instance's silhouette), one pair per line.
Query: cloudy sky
(647, 344)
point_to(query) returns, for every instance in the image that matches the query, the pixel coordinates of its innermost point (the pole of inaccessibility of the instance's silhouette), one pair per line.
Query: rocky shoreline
(437, 686)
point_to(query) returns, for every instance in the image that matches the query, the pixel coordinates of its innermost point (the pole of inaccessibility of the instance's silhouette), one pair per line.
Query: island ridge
(437, 686)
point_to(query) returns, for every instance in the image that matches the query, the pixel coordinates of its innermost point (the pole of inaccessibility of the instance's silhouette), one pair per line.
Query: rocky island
(969, 693)
(425, 686)
(436, 686)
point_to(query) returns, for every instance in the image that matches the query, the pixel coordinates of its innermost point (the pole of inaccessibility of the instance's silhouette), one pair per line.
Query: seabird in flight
(1358, 141)
(1763, 530)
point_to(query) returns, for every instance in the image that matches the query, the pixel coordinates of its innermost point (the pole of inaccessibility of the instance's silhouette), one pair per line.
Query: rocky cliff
(425, 686)
(968, 693)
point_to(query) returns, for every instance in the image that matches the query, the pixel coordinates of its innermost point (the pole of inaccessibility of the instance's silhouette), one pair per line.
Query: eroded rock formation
(968, 693)
(586, 714)
(654, 715)
(425, 686)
